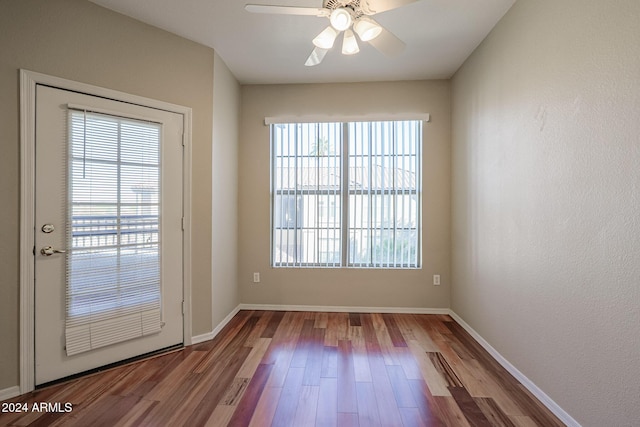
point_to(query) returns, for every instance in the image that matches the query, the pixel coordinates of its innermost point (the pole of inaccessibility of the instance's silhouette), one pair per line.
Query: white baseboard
(10, 392)
(210, 335)
(534, 389)
(343, 309)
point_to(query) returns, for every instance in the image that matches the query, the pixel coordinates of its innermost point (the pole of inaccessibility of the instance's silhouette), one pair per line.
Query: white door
(108, 237)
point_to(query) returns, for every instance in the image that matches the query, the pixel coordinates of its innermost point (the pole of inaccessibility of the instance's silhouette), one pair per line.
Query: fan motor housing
(354, 5)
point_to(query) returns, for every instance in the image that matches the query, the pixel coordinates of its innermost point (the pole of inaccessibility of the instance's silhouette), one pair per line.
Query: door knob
(48, 251)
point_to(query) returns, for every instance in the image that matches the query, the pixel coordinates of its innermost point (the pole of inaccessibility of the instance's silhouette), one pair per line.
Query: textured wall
(78, 40)
(344, 287)
(224, 212)
(546, 226)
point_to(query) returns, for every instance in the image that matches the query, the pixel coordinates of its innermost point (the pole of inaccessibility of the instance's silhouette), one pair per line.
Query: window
(346, 194)
(113, 267)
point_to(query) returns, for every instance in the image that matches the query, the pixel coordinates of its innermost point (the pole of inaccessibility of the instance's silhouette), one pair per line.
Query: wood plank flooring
(271, 368)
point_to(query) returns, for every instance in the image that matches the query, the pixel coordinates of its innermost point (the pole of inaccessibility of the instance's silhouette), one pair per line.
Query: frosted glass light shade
(350, 44)
(340, 19)
(326, 38)
(367, 28)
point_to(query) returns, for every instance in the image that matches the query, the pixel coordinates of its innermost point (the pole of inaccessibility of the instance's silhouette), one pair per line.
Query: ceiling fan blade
(286, 10)
(388, 43)
(316, 56)
(371, 7)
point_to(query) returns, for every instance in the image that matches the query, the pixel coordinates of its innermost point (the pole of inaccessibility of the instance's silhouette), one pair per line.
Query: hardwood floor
(302, 369)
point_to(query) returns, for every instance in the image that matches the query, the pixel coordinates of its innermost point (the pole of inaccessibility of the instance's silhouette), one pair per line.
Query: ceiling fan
(349, 16)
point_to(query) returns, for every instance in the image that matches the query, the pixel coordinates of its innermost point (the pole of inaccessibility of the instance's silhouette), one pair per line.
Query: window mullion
(393, 190)
(296, 259)
(345, 208)
(418, 138)
(317, 233)
(403, 177)
(281, 190)
(370, 199)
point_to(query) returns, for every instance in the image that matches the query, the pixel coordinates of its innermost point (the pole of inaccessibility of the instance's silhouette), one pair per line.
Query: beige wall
(224, 212)
(343, 287)
(546, 173)
(78, 40)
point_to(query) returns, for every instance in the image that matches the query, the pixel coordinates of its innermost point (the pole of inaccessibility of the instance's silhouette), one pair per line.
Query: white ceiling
(264, 48)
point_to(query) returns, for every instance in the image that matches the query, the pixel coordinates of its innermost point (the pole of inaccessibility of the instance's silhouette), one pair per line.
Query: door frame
(28, 82)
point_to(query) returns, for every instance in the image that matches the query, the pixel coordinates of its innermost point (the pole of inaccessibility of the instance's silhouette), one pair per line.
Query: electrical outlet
(436, 280)
(256, 277)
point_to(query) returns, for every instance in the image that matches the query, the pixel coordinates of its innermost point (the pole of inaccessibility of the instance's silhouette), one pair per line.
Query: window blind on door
(113, 270)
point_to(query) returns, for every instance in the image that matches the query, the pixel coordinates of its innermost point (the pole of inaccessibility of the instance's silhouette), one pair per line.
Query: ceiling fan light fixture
(350, 44)
(326, 38)
(367, 28)
(341, 19)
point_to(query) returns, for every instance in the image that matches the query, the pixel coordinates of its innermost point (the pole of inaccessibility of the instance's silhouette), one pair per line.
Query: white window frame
(345, 192)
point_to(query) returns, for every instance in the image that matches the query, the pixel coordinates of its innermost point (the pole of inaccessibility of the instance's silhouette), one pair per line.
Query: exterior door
(108, 239)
